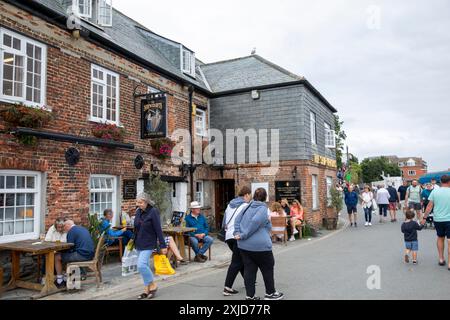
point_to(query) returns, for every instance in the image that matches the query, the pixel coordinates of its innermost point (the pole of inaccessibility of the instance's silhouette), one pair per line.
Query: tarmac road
(336, 267)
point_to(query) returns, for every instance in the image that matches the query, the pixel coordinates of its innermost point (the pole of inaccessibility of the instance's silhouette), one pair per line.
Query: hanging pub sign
(154, 116)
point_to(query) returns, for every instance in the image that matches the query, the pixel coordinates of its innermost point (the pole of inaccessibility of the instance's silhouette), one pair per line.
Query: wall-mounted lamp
(294, 173)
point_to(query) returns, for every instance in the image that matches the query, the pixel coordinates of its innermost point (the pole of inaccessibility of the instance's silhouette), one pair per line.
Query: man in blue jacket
(105, 226)
(351, 201)
(198, 221)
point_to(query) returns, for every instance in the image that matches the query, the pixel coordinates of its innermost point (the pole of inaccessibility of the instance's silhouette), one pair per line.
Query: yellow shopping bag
(162, 265)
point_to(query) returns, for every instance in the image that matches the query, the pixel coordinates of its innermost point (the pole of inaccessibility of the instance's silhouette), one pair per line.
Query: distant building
(412, 167)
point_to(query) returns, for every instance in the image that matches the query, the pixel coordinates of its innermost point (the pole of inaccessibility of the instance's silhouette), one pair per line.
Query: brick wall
(246, 175)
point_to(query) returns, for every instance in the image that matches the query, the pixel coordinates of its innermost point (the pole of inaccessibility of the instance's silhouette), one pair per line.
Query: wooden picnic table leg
(181, 245)
(49, 286)
(15, 271)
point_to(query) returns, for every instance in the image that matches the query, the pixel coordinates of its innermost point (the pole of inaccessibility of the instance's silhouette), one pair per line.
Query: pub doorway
(224, 193)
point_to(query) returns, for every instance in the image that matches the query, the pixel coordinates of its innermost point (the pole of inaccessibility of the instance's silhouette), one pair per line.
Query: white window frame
(113, 190)
(104, 6)
(189, 66)
(200, 195)
(411, 163)
(315, 191)
(23, 52)
(87, 6)
(329, 182)
(103, 83)
(37, 190)
(313, 125)
(200, 131)
(330, 137)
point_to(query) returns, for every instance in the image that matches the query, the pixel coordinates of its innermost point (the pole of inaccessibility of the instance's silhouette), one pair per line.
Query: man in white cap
(198, 221)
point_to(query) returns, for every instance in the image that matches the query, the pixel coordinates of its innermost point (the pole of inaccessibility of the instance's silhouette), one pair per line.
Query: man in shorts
(413, 199)
(440, 202)
(402, 195)
(351, 201)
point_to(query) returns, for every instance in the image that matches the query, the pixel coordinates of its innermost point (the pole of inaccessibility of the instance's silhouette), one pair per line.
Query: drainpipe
(191, 166)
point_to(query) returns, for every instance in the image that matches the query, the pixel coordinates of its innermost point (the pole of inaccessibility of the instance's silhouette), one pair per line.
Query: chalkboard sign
(177, 217)
(129, 189)
(289, 190)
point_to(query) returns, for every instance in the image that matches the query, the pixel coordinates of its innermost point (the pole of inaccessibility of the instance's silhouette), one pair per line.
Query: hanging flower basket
(108, 132)
(19, 115)
(162, 148)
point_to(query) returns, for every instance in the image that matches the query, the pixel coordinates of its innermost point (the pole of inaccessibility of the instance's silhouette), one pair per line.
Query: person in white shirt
(235, 208)
(383, 197)
(434, 184)
(56, 232)
(367, 204)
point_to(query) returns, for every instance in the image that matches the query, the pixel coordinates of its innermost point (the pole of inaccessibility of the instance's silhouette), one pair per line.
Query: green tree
(340, 138)
(372, 169)
(355, 172)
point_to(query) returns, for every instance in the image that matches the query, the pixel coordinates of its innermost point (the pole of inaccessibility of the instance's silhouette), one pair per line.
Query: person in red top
(297, 219)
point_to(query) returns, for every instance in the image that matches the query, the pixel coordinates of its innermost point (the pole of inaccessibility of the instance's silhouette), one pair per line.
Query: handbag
(374, 206)
(222, 233)
(162, 265)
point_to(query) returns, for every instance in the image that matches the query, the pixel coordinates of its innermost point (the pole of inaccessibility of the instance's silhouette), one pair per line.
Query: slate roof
(164, 54)
(136, 39)
(246, 72)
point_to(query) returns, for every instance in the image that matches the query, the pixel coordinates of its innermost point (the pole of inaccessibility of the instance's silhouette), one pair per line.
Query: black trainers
(252, 298)
(274, 296)
(356, 225)
(229, 292)
(61, 285)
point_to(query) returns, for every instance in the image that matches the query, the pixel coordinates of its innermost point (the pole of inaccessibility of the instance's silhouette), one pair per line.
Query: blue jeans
(143, 266)
(368, 214)
(207, 242)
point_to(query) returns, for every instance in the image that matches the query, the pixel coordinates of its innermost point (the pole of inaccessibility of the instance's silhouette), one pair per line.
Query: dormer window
(188, 62)
(84, 8)
(95, 11)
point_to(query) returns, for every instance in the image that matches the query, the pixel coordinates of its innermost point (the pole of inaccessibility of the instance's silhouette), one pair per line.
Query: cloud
(390, 85)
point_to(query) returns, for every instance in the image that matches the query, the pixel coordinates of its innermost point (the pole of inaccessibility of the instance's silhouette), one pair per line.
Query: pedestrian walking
(383, 201)
(413, 199)
(235, 207)
(434, 184)
(367, 204)
(409, 229)
(393, 201)
(148, 234)
(440, 203)
(402, 194)
(426, 195)
(253, 234)
(351, 201)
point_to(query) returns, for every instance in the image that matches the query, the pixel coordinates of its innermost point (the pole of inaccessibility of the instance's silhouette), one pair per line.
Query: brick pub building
(98, 71)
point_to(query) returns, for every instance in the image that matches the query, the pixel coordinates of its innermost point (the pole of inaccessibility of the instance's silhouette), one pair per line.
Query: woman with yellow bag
(148, 234)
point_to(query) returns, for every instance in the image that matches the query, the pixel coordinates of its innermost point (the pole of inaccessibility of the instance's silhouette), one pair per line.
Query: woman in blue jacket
(148, 234)
(351, 201)
(252, 230)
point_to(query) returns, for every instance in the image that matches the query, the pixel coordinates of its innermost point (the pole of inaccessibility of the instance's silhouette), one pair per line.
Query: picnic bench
(34, 247)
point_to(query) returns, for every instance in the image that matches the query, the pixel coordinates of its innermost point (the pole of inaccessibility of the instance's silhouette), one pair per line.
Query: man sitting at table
(83, 249)
(198, 221)
(110, 233)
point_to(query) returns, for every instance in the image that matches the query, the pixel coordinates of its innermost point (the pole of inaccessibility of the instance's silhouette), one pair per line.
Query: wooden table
(34, 247)
(178, 235)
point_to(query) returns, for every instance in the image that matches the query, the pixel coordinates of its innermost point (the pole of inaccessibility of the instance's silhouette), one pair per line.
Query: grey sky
(388, 77)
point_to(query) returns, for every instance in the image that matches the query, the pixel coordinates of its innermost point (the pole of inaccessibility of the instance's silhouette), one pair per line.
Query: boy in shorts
(409, 229)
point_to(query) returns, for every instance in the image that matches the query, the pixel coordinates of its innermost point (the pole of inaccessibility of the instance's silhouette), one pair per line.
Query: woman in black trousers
(235, 207)
(252, 231)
